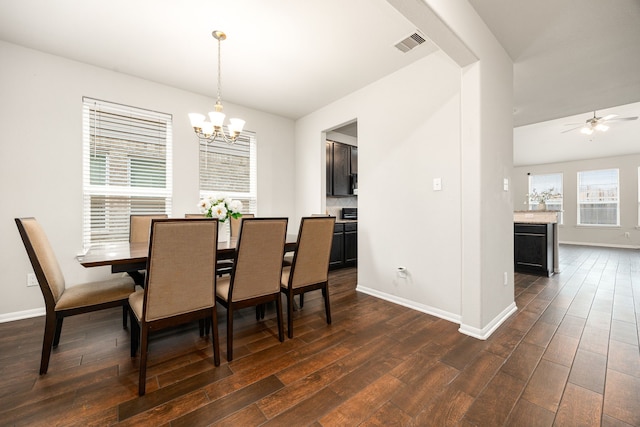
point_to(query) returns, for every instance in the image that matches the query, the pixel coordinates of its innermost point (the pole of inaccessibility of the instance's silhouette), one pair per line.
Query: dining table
(132, 257)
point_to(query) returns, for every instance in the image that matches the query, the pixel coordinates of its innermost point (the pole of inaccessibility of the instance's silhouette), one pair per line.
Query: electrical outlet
(31, 280)
(626, 234)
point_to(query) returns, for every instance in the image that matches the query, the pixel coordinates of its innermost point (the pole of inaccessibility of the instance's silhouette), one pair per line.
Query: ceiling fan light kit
(598, 123)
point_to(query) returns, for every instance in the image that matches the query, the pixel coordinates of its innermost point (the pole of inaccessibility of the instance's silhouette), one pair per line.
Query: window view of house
(231, 170)
(126, 168)
(551, 183)
(598, 197)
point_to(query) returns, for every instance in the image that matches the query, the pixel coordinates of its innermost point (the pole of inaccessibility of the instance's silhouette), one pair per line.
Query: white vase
(542, 206)
(223, 231)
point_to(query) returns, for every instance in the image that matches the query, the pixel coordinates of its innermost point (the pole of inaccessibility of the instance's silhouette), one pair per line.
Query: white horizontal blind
(127, 168)
(548, 182)
(598, 197)
(231, 170)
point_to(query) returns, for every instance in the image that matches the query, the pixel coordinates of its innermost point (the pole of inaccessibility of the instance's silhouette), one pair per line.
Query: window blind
(598, 197)
(230, 170)
(548, 182)
(127, 170)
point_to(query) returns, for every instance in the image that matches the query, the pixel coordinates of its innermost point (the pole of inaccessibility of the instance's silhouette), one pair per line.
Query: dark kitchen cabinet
(339, 165)
(533, 248)
(354, 160)
(350, 244)
(344, 250)
(336, 260)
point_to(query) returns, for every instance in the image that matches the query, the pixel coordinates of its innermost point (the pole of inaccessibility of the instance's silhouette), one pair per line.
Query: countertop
(536, 217)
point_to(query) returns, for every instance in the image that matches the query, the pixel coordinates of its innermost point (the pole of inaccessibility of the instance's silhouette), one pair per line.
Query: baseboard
(484, 333)
(410, 304)
(19, 315)
(601, 245)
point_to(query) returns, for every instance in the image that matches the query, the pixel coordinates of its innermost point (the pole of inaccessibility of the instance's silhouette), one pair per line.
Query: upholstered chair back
(258, 265)
(180, 267)
(140, 227)
(311, 260)
(43, 259)
(236, 223)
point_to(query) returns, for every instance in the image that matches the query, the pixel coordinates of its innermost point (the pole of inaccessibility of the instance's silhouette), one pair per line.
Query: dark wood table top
(136, 253)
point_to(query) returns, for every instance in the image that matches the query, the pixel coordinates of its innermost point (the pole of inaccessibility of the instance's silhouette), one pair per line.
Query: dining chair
(140, 227)
(179, 285)
(62, 301)
(236, 223)
(310, 267)
(257, 268)
(194, 215)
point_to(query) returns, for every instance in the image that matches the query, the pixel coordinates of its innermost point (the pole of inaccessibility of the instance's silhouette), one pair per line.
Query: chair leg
(135, 334)
(290, 314)
(327, 306)
(125, 311)
(257, 312)
(229, 334)
(263, 311)
(280, 323)
(47, 341)
(56, 336)
(201, 325)
(214, 333)
(301, 300)
(142, 378)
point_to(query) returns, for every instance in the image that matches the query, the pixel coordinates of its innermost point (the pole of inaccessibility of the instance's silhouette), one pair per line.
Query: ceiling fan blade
(623, 119)
(569, 130)
(609, 117)
(573, 124)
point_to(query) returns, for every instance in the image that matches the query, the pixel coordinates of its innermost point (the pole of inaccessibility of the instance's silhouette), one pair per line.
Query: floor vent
(410, 42)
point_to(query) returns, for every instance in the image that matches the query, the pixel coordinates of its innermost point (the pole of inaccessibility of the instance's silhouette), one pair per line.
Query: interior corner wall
(403, 144)
(41, 157)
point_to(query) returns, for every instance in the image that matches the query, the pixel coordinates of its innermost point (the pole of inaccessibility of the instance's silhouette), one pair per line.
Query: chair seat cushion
(94, 293)
(222, 287)
(136, 301)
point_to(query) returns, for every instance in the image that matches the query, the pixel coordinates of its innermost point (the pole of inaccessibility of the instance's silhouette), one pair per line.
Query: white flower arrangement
(542, 196)
(220, 207)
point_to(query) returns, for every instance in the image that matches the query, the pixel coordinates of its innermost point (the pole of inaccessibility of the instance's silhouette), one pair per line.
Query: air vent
(410, 42)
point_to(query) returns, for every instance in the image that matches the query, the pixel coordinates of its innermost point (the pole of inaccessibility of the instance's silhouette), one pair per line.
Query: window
(598, 197)
(549, 182)
(230, 170)
(126, 168)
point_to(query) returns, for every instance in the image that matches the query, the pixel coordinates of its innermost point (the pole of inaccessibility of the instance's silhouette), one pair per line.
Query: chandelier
(212, 130)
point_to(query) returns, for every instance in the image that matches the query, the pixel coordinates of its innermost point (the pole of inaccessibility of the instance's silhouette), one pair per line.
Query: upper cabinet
(342, 167)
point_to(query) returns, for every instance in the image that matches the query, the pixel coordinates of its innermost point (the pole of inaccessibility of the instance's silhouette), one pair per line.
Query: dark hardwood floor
(568, 357)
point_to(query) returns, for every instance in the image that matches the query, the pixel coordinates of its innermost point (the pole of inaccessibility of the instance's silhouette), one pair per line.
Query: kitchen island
(536, 242)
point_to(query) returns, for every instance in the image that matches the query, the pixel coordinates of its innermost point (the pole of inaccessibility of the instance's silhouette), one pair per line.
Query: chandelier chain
(219, 74)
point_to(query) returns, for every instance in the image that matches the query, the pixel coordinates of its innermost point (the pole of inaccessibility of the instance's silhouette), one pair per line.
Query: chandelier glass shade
(213, 129)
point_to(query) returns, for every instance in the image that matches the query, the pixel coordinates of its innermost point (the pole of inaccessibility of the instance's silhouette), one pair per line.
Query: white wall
(41, 157)
(569, 232)
(435, 118)
(408, 134)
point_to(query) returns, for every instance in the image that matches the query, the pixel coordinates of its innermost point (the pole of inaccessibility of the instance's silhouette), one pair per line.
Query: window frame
(115, 192)
(580, 201)
(533, 205)
(249, 198)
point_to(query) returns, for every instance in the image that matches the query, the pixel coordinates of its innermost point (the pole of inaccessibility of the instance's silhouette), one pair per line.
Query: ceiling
(292, 57)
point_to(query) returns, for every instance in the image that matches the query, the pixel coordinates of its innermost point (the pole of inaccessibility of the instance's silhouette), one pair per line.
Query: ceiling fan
(597, 123)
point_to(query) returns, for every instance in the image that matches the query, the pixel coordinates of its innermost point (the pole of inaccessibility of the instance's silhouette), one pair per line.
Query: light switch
(505, 184)
(437, 184)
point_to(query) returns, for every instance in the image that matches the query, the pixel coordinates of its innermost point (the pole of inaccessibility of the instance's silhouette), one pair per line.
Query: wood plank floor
(568, 357)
